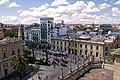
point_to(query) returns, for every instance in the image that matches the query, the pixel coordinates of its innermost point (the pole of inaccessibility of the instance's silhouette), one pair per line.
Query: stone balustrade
(79, 71)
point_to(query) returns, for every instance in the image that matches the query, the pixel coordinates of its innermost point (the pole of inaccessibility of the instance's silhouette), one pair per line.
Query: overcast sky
(71, 11)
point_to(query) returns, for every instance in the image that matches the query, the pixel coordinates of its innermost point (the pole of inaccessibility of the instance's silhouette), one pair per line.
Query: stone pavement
(115, 68)
(98, 74)
(116, 71)
(51, 72)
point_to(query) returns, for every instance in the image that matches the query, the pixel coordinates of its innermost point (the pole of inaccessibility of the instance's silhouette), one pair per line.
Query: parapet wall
(79, 71)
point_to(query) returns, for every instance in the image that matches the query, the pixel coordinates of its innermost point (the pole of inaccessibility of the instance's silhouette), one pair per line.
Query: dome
(84, 37)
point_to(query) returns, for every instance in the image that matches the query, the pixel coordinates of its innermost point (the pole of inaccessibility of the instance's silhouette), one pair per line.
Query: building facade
(82, 47)
(33, 35)
(9, 48)
(61, 31)
(46, 29)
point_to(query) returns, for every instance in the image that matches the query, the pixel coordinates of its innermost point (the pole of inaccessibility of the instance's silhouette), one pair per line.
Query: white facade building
(40, 34)
(46, 29)
(33, 35)
(61, 31)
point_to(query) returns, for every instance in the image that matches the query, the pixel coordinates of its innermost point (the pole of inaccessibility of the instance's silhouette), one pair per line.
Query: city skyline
(75, 11)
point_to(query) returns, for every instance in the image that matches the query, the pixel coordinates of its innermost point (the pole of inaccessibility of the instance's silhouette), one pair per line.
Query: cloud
(91, 4)
(59, 2)
(106, 0)
(78, 12)
(3, 2)
(104, 6)
(13, 4)
(117, 2)
(9, 19)
(53, 11)
(90, 7)
(19, 11)
(42, 7)
(88, 10)
(115, 11)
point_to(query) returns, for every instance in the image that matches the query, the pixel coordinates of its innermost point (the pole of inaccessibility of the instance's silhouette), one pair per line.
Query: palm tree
(26, 53)
(19, 63)
(32, 46)
(46, 51)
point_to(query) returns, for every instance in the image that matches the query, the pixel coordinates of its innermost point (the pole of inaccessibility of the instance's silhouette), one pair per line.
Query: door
(5, 71)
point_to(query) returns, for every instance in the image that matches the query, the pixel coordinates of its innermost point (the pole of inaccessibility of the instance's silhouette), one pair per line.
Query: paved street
(53, 72)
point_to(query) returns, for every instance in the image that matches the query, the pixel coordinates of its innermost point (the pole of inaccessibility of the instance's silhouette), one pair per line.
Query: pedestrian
(46, 77)
(54, 65)
(39, 77)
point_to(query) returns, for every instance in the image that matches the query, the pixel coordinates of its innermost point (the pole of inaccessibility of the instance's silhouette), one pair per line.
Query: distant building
(46, 25)
(1, 25)
(61, 31)
(33, 35)
(106, 28)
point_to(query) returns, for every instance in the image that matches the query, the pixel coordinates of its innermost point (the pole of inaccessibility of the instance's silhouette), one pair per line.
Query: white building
(61, 31)
(46, 29)
(33, 35)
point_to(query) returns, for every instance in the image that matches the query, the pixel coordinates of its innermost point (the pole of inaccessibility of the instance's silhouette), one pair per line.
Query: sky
(71, 11)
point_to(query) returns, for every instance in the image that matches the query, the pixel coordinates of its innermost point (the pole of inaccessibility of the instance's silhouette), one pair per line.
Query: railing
(79, 71)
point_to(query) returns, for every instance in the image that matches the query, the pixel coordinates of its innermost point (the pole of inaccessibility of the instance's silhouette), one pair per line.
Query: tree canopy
(11, 33)
(19, 63)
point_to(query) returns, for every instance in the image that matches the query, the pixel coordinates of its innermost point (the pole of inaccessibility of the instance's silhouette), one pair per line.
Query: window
(69, 44)
(61, 47)
(106, 49)
(96, 54)
(105, 54)
(13, 52)
(85, 46)
(61, 43)
(4, 55)
(5, 71)
(18, 51)
(75, 44)
(57, 42)
(91, 47)
(80, 45)
(65, 48)
(54, 42)
(54, 47)
(80, 51)
(86, 52)
(65, 43)
(91, 53)
(96, 47)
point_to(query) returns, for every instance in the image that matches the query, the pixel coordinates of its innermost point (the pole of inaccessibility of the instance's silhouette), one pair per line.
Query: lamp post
(62, 55)
(62, 77)
(70, 68)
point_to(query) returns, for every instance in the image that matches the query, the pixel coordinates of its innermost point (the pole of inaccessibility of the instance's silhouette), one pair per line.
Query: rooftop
(9, 40)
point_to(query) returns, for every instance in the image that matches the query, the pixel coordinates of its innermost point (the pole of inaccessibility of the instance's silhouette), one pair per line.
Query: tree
(19, 63)
(11, 33)
(32, 74)
(32, 46)
(26, 53)
(46, 51)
